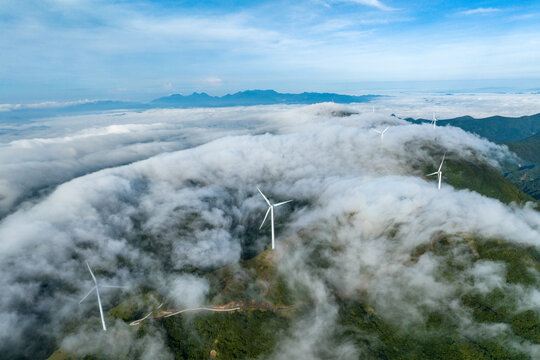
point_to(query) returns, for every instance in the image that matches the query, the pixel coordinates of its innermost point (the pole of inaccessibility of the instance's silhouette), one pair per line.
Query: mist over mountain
(520, 134)
(495, 128)
(11, 114)
(371, 259)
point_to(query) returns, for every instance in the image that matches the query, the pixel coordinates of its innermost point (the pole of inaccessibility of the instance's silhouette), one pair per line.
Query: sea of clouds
(146, 196)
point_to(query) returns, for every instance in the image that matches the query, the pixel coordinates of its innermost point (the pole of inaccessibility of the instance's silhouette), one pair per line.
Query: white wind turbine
(96, 287)
(438, 172)
(381, 132)
(434, 121)
(271, 211)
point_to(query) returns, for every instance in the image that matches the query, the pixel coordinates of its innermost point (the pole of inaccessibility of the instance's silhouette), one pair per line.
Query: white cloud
(212, 81)
(373, 3)
(480, 11)
(188, 291)
(445, 106)
(44, 105)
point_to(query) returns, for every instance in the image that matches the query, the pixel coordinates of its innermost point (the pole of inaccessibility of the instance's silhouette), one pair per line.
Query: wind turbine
(434, 121)
(96, 287)
(271, 211)
(381, 132)
(439, 172)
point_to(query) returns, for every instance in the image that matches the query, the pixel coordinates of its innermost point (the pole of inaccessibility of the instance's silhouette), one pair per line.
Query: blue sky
(60, 50)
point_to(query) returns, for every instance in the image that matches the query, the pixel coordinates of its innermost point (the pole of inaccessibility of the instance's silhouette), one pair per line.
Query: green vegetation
(246, 334)
(438, 339)
(127, 310)
(522, 263)
(493, 307)
(275, 288)
(527, 178)
(61, 355)
(527, 325)
(497, 307)
(236, 335)
(481, 178)
(440, 334)
(494, 128)
(521, 135)
(135, 307)
(255, 279)
(527, 149)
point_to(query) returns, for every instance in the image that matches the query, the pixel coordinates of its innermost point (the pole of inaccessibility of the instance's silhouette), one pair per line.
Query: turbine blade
(101, 310)
(377, 131)
(112, 286)
(265, 216)
(385, 129)
(281, 203)
(435, 173)
(85, 296)
(91, 273)
(265, 199)
(440, 166)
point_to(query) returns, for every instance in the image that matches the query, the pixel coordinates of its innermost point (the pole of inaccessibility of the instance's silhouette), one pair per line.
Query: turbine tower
(381, 132)
(434, 121)
(271, 211)
(439, 172)
(96, 287)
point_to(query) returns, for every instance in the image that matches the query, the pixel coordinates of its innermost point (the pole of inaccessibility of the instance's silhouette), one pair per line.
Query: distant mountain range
(242, 98)
(256, 97)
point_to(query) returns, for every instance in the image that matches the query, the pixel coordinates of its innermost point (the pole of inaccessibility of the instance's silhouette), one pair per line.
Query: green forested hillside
(521, 135)
(527, 177)
(494, 128)
(483, 179)
(528, 148)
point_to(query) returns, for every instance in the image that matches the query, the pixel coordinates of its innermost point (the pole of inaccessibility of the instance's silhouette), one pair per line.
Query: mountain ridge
(257, 97)
(494, 128)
